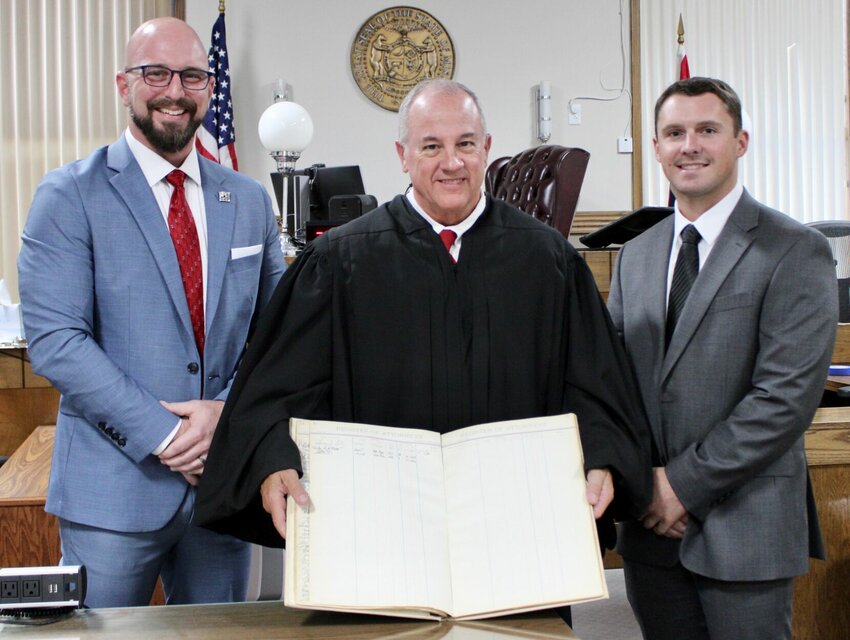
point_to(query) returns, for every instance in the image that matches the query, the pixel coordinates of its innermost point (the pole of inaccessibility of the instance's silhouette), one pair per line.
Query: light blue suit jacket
(107, 323)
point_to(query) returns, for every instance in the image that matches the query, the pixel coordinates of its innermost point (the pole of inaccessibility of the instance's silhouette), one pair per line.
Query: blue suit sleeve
(56, 277)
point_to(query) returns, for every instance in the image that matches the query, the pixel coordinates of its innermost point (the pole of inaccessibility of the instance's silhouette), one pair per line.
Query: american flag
(217, 138)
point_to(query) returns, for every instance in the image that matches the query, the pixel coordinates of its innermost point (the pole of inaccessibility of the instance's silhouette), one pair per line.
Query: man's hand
(600, 490)
(194, 479)
(274, 490)
(666, 515)
(187, 452)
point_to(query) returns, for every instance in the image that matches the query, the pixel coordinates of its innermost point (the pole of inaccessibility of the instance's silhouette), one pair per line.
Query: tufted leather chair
(543, 181)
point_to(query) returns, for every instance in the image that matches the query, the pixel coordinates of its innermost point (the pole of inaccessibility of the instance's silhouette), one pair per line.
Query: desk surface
(271, 620)
(24, 477)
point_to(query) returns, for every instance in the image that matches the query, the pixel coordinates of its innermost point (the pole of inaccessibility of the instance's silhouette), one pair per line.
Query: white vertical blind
(57, 99)
(786, 59)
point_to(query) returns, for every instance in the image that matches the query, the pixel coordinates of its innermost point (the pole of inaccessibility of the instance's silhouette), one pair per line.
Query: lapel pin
(224, 196)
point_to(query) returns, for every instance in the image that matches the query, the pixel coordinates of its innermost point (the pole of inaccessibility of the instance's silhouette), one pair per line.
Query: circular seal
(395, 49)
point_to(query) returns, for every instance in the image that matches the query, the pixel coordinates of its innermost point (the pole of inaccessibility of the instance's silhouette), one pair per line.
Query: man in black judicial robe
(376, 323)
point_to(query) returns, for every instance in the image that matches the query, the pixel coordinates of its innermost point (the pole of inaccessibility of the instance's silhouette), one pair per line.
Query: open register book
(481, 522)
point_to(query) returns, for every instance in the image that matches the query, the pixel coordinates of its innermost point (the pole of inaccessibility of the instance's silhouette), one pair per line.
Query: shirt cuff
(168, 439)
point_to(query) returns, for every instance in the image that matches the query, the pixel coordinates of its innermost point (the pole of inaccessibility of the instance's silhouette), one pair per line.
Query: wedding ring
(203, 459)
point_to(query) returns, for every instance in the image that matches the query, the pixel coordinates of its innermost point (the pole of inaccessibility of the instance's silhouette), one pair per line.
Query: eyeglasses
(156, 75)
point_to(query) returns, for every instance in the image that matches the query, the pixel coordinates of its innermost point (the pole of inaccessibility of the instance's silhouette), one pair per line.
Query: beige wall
(502, 50)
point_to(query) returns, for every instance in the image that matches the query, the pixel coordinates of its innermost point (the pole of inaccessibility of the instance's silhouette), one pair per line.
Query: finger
(274, 501)
(181, 458)
(192, 461)
(294, 488)
(191, 479)
(600, 490)
(177, 408)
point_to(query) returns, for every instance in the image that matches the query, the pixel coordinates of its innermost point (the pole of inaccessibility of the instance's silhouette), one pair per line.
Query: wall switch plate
(624, 145)
(575, 113)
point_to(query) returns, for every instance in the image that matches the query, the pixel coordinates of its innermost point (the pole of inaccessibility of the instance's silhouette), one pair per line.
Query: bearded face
(166, 136)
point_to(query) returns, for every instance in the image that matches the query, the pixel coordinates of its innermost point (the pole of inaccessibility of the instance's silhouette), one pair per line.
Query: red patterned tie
(184, 235)
(448, 237)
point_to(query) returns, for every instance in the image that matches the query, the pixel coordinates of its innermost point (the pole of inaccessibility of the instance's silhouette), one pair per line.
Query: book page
(521, 532)
(374, 534)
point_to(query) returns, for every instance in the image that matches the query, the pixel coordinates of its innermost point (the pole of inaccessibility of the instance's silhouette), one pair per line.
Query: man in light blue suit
(106, 303)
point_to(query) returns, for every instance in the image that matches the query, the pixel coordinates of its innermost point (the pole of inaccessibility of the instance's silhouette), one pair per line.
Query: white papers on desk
(11, 324)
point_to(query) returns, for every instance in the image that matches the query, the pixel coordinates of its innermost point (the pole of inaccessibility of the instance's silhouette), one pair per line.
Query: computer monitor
(328, 182)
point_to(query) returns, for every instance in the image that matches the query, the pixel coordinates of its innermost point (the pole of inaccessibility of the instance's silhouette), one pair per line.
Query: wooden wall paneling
(821, 604)
(11, 369)
(29, 537)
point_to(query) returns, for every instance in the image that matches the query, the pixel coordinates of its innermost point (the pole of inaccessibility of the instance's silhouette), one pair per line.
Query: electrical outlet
(624, 145)
(575, 113)
(31, 588)
(10, 590)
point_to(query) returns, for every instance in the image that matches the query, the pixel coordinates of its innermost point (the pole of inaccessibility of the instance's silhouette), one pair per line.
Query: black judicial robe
(375, 324)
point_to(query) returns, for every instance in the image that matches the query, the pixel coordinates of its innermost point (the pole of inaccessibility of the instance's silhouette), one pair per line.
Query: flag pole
(683, 73)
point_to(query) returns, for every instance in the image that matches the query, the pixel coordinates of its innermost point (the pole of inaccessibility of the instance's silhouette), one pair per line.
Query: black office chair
(837, 233)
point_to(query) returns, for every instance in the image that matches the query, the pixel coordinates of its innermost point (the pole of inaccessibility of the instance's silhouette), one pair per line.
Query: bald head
(438, 87)
(155, 37)
(165, 112)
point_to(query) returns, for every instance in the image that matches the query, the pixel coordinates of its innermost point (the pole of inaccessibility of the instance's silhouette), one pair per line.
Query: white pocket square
(244, 252)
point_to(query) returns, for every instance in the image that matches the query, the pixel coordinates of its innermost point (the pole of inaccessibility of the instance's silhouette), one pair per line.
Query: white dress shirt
(460, 228)
(709, 225)
(156, 168)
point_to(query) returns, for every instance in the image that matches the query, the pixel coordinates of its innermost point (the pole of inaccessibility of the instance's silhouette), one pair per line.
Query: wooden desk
(29, 537)
(834, 383)
(271, 620)
(821, 598)
(841, 352)
(26, 400)
(601, 263)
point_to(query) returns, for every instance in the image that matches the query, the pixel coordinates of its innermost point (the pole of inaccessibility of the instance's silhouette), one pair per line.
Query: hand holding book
(275, 489)
(483, 521)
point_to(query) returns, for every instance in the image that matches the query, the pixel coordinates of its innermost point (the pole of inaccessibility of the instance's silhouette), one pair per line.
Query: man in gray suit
(141, 269)
(728, 310)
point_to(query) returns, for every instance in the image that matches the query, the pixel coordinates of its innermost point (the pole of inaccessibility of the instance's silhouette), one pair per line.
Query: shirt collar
(710, 223)
(155, 167)
(461, 227)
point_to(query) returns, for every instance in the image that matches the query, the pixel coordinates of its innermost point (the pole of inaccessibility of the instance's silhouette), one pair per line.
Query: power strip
(42, 588)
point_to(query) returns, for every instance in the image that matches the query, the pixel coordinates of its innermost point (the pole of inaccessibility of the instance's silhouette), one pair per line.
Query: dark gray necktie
(684, 274)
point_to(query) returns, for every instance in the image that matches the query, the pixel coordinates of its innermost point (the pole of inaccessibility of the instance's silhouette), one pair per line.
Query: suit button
(114, 436)
(193, 368)
(121, 441)
(109, 431)
(101, 425)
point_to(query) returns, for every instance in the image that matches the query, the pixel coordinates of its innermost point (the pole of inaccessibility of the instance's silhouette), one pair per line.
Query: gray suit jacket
(107, 322)
(729, 401)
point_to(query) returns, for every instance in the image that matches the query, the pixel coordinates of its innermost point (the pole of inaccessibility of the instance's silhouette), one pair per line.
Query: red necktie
(448, 237)
(184, 235)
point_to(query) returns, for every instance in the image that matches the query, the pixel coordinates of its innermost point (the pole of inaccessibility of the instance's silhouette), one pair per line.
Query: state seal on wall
(397, 48)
